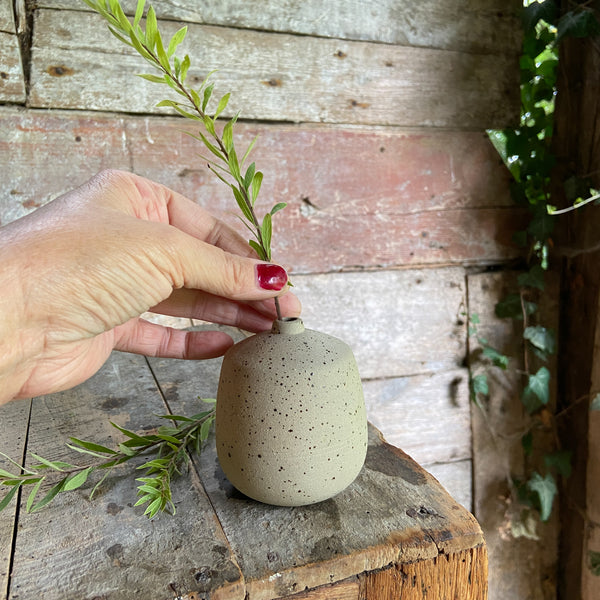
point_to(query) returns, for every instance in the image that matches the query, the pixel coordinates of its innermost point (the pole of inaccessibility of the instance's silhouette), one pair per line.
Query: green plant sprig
(168, 450)
(223, 159)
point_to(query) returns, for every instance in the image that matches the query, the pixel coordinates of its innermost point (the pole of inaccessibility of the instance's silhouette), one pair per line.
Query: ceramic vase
(291, 425)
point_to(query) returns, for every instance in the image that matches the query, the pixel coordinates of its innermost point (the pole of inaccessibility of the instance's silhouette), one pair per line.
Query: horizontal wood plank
(396, 322)
(131, 555)
(473, 26)
(78, 64)
(428, 416)
(372, 197)
(14, 422)
(457, 479)
(12, 80)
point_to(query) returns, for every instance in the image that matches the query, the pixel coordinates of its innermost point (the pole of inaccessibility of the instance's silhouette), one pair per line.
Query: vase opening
(288, 326)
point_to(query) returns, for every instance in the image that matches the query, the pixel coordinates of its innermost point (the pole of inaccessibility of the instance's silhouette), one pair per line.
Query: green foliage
(526, 151)
(164, 453)
(594, 562)
(195, 104)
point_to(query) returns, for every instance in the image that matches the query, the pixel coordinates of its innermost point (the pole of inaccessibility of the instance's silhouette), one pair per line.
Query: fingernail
(271, 277)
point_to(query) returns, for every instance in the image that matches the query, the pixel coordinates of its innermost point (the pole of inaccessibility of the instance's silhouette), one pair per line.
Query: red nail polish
(271, 277)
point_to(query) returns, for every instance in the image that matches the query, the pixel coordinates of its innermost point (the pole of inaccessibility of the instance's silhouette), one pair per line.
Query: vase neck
(288, 326)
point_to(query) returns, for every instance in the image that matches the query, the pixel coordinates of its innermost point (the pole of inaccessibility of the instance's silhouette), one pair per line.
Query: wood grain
(110, 550)
(460, 575)
(12, 81)
(467, 26)
(283, 77)
(14, 419)
(7, 19)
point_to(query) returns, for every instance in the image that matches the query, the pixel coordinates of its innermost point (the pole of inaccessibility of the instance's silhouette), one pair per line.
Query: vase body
(291, 425)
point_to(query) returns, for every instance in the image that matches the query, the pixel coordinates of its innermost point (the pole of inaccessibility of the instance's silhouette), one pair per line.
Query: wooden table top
(394, 519)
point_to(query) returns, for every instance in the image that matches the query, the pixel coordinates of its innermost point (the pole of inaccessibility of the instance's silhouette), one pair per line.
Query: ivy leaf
(560, 461)
(547, 11)
(537, 391)
(534, 278)
(479, 385)
(595, 403)
(542, 338)
(578, 25)
(498, 359)
(594, 562)
(511, 308)
(545, 488)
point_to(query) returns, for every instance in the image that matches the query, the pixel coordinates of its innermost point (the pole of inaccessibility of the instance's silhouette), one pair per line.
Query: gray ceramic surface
(291, 426)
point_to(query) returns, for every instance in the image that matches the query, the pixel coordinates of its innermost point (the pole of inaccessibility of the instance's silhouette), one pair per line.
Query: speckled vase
(291, 426)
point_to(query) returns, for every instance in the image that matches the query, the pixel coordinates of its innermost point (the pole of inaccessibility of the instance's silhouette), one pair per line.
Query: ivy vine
(527, 152)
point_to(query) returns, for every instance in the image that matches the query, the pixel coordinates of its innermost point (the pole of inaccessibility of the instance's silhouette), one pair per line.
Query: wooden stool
(394, 533)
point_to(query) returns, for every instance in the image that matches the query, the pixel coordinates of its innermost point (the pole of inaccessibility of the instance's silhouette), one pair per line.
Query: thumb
(206, 267)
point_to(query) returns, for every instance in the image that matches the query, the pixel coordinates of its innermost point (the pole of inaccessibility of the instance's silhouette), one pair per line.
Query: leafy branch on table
(167, 450)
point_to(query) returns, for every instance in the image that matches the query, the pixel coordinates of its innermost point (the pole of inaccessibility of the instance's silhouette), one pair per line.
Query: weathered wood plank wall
(371, 118)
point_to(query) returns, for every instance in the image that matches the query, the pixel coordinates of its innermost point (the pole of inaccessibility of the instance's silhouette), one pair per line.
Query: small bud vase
(291, 426)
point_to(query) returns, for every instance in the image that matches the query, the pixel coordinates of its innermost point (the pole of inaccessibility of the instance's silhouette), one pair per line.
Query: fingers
(141, 337)
(253, 316)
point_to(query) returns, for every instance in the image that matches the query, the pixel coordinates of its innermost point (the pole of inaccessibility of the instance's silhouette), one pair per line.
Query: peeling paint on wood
(375, 84)
(373, 197)
(473, 26)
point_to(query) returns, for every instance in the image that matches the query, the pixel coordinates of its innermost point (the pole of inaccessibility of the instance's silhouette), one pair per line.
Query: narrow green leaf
(6, 500)
(211, 147)
(176, 40)
(120, 37)
(92, 446)
(185, 65)
(77, 479)
(151, 28)
(4, 473)
(161, 53)
(126, 450)
(279, 206)
(227, 136)
(256, 184)
(545, 488)
(258, 249)
(209, 124)
(139, 12)
(234, 166)
(153, 508)
(152, 78)
(33, 494)
(267, 231)
(222, 105)
(239, 198)
(144, 499)
(205, 429)
(248, 150)
(55, 465)
(249, 175)
(130, 434)
(54, 491)
(208, 90)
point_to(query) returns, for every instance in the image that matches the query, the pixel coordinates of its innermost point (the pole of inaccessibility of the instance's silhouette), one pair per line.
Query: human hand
(78, 273)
